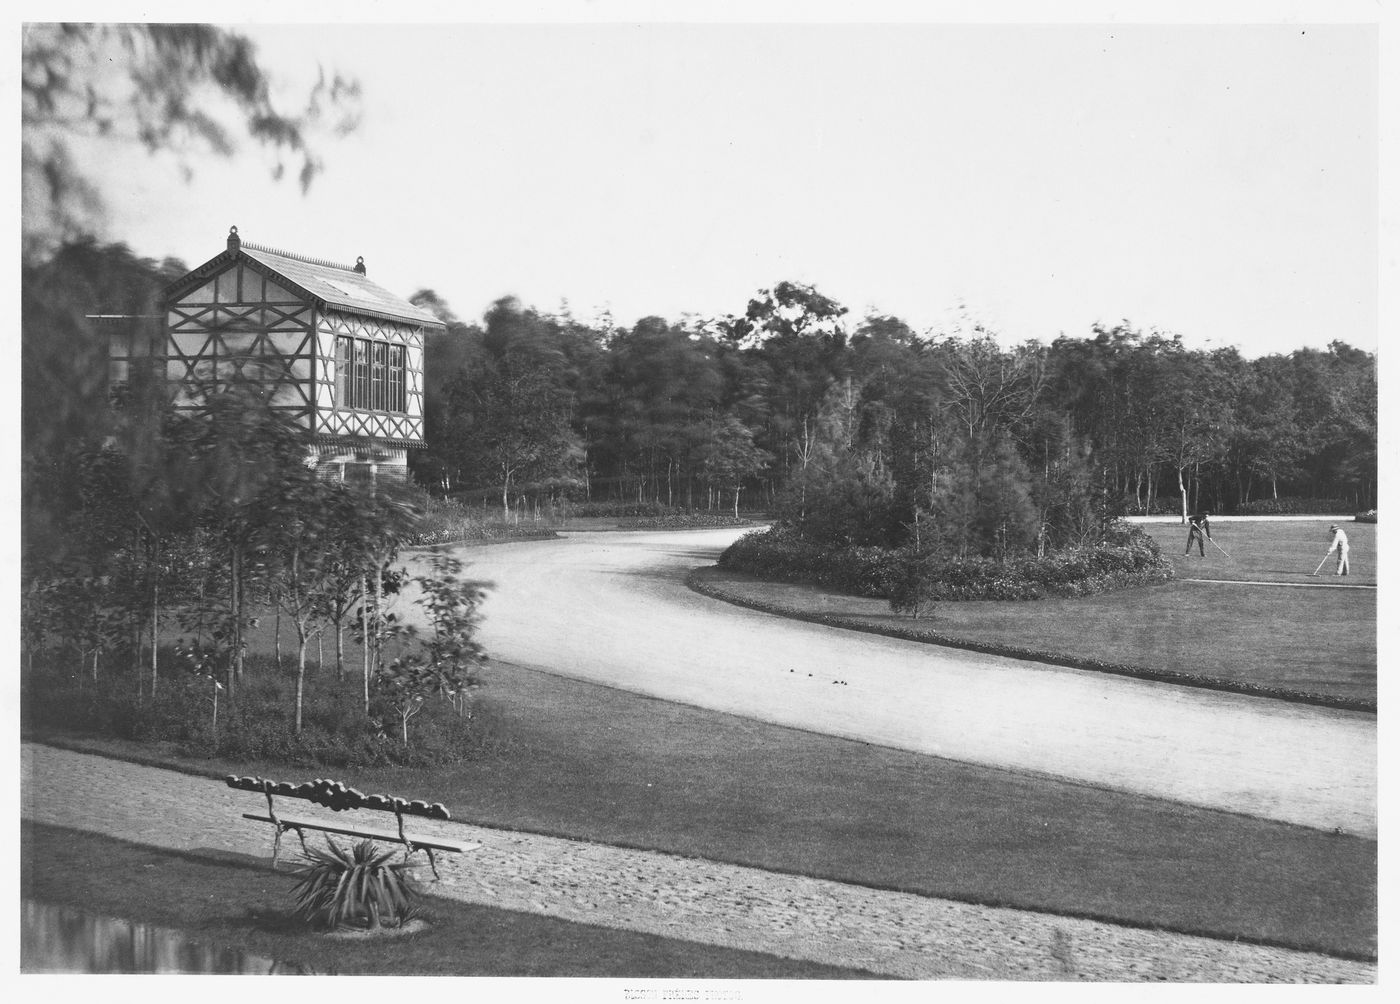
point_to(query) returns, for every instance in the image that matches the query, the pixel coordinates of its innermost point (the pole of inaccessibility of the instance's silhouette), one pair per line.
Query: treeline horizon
(790, 393)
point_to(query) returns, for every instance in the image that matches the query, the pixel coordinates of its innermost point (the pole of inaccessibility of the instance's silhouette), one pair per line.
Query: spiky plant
(353, 887)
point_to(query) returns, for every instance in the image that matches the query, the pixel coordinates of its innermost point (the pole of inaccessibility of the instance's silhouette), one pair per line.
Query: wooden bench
(337, 797)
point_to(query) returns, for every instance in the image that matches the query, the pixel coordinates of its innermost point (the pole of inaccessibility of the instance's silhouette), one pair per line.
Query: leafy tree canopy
(187, 89)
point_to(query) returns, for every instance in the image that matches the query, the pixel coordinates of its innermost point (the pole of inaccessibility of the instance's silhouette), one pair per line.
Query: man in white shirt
(1339, 544)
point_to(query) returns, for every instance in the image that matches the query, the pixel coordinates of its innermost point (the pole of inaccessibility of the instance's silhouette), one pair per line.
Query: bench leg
(277, 841)
(432, 863)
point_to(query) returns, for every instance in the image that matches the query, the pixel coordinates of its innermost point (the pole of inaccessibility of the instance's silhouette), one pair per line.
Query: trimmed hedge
(1294, 507)
(1128, 557)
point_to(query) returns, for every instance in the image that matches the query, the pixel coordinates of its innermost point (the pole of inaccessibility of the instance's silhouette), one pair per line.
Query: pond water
(60, 939)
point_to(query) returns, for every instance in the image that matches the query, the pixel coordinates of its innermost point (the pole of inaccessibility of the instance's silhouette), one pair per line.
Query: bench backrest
(336, 796)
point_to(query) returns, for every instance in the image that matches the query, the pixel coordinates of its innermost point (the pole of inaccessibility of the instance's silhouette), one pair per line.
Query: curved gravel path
(613, 608)
(892, 933)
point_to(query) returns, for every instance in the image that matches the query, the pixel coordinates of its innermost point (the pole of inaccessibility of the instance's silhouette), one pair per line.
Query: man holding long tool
(1339, 544)
(1200, 530)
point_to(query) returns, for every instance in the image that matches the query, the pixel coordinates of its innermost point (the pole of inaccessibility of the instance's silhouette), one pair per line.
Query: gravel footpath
(898, 934)
(616, 609)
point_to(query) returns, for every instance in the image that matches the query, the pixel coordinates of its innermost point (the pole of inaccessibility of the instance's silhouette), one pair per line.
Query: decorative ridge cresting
(323, 263)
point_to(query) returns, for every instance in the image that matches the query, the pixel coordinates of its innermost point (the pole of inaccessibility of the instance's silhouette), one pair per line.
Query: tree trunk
(155, 635)
(233, 614)
(301, 675)
(378, 619)
(1181, 483)
(238, 605)
(364, 629)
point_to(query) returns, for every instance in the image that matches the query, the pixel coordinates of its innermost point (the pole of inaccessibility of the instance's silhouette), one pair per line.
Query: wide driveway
(613, 608)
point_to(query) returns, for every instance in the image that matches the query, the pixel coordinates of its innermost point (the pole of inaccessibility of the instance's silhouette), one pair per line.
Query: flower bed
(1127, 557)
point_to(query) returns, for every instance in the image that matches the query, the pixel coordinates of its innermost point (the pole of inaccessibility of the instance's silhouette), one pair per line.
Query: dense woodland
(790, 398)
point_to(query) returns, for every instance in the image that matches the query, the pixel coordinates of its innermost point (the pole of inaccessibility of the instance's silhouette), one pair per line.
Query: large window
(370, 375)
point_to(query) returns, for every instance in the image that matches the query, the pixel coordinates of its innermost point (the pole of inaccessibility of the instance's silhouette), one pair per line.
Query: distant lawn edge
(714, 582)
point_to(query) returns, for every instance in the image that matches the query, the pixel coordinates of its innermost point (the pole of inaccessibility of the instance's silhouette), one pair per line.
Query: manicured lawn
(1306, 640)
(1271, 551)
(234, 906)
(586, 761)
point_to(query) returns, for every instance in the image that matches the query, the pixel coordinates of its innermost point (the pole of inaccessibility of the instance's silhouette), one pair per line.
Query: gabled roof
(342, 286)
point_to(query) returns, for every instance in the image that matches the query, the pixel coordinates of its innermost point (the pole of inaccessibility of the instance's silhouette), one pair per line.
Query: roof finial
(360, 265)
(233, 242)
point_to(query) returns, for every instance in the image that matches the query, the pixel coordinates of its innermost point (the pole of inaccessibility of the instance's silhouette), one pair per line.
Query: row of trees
(791, 400)
(865, 431)
(190, 526)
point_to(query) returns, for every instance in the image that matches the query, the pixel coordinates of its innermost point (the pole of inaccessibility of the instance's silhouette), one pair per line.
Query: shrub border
(702, 581)
(521, 538)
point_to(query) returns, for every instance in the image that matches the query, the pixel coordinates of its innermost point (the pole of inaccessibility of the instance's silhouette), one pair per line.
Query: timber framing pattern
(340, 355)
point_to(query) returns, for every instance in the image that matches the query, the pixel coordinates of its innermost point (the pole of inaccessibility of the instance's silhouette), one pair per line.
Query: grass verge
(246, 908)
(590, 762)
(1316, 646)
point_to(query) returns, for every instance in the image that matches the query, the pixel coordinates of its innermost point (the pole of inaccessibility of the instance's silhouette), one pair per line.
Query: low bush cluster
(782, 554)
(1126, 557)
(682, 520)
(255, 723)
(595, 510)
(1295, 507)
(448, 521)
(1369, 516)
(1157, 507)
(1080, 572)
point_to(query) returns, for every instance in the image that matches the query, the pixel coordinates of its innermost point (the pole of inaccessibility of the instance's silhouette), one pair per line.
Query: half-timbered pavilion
(342, 355)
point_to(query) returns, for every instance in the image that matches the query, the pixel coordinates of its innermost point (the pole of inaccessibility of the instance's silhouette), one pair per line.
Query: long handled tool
(1322, 562)
(1220, 549)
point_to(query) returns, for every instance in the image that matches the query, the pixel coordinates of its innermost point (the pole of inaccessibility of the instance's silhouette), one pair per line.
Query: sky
(1219, 181)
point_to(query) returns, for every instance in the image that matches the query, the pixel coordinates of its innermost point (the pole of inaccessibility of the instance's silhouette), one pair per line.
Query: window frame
(371, 375)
